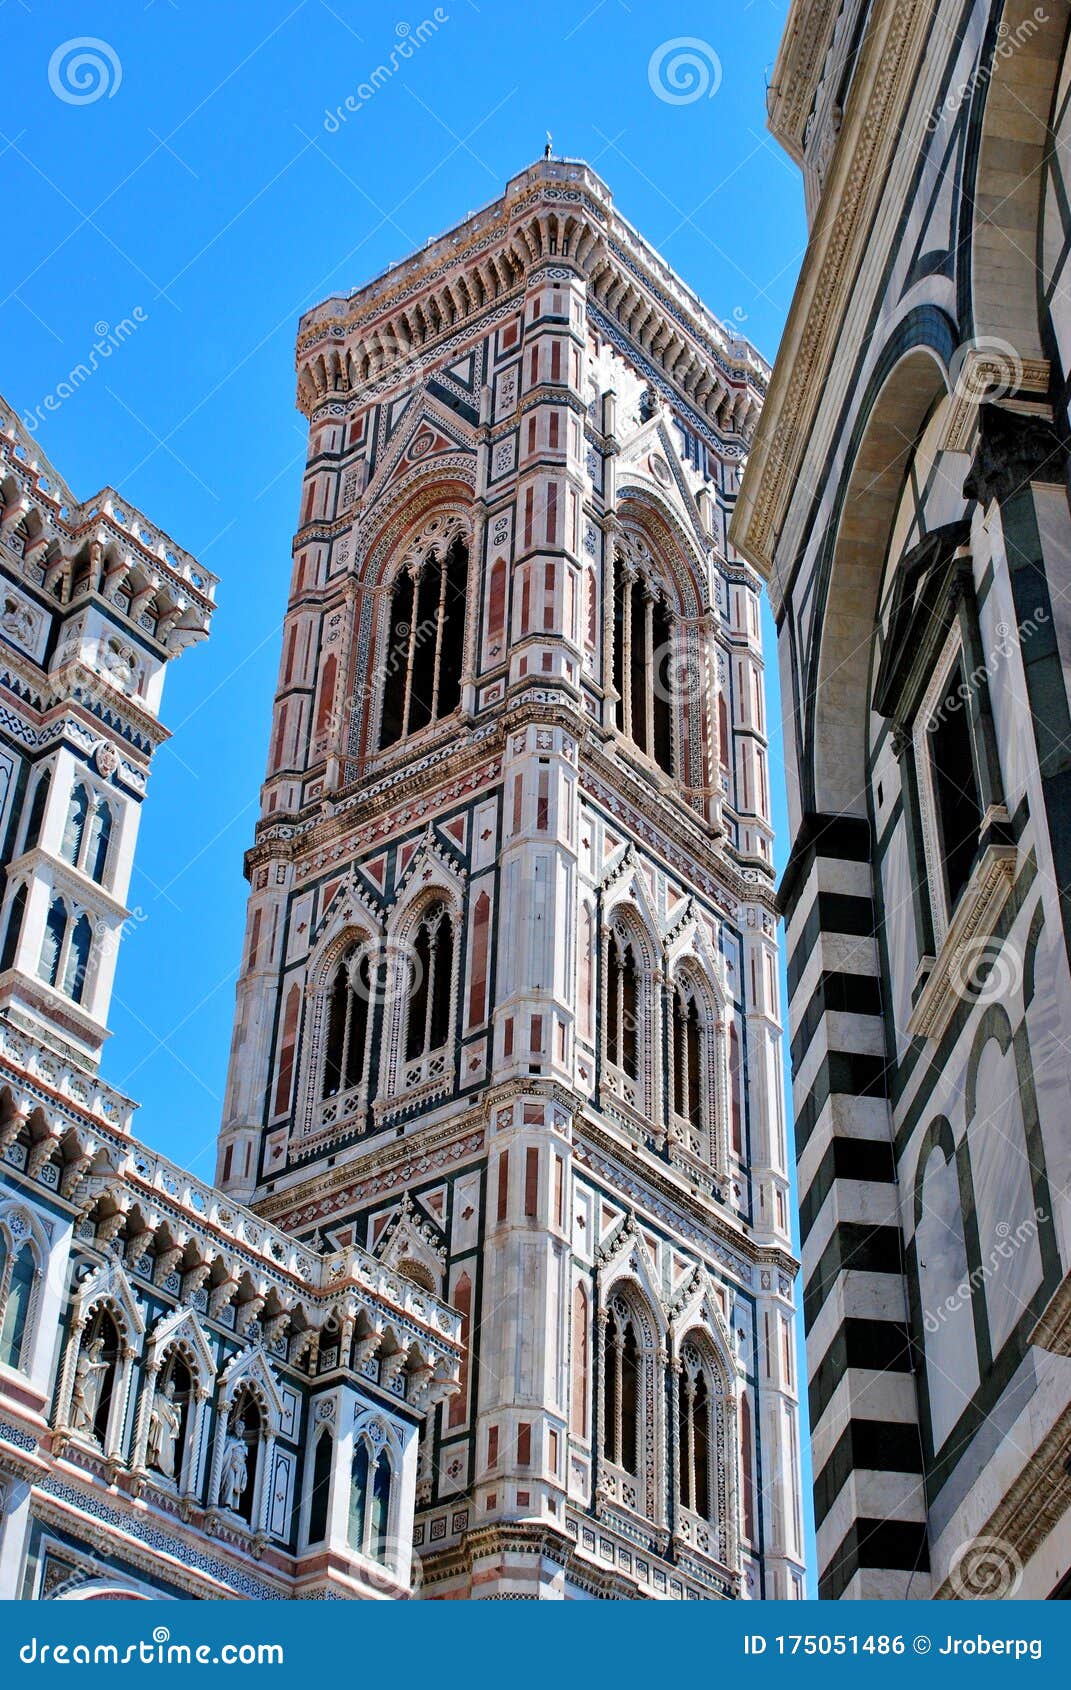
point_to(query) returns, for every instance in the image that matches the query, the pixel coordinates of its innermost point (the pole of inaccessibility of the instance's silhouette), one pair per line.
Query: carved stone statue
(165, 1423)
(235, 1475)
(88, 1384)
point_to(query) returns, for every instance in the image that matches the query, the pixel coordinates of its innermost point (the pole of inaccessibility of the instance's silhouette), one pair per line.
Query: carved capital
(1014, 448)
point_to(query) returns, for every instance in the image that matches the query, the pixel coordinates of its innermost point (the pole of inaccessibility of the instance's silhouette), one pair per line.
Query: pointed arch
(631, 1422)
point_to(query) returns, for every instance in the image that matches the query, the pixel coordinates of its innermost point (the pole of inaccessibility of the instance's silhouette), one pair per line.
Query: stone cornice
(301, 837)
(798, 70)
(872, 127)
(557, 215)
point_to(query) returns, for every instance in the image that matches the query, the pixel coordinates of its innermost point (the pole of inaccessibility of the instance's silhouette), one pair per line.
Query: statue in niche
(88, 1384)
(165, 1423)
(235, 1474)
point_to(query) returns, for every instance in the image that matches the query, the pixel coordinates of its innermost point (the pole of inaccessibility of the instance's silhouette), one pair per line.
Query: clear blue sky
(205, 189)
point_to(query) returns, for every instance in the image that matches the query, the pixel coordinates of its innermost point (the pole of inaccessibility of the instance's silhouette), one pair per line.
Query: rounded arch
(909, 381)
(999, 292)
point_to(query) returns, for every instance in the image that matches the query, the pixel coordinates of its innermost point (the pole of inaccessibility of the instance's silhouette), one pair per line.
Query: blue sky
(204, 196)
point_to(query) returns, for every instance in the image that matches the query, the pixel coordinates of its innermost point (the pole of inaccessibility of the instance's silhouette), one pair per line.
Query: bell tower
(508, 1008)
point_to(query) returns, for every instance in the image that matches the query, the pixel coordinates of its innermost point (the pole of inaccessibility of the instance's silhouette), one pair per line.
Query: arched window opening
(687, 1048)
(697, 1434)
(428, 1023)
(95, 1377)
(621, 1389)
(74, 827)
(16, 915)
(426, 643)
(37, 811)
(52, 944)
(74, 976)
(169, 1418)
(622, 1006)
(378, 1540)
(99, 837)
(321, 1488)
(645, 663)
(348, 996)
(359, 1495)
(19, 1273)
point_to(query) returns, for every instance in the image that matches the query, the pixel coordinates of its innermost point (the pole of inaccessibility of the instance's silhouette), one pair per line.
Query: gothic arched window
(321, 1488)
(349, 993)
(687, 1057)
(87, 833)
(17, 1276)
(52, 944)
(370, 1500)
(622, 1006)
(37, 811)
(425, 643)
(14, 928)
(645, 663)
(622, 1408)
(697, 1433)
(74, 827)
(74, 974)
(431, 963)
(98, 836)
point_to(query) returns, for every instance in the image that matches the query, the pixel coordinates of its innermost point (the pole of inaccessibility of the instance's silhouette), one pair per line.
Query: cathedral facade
(494, 1295)
(907, 500)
